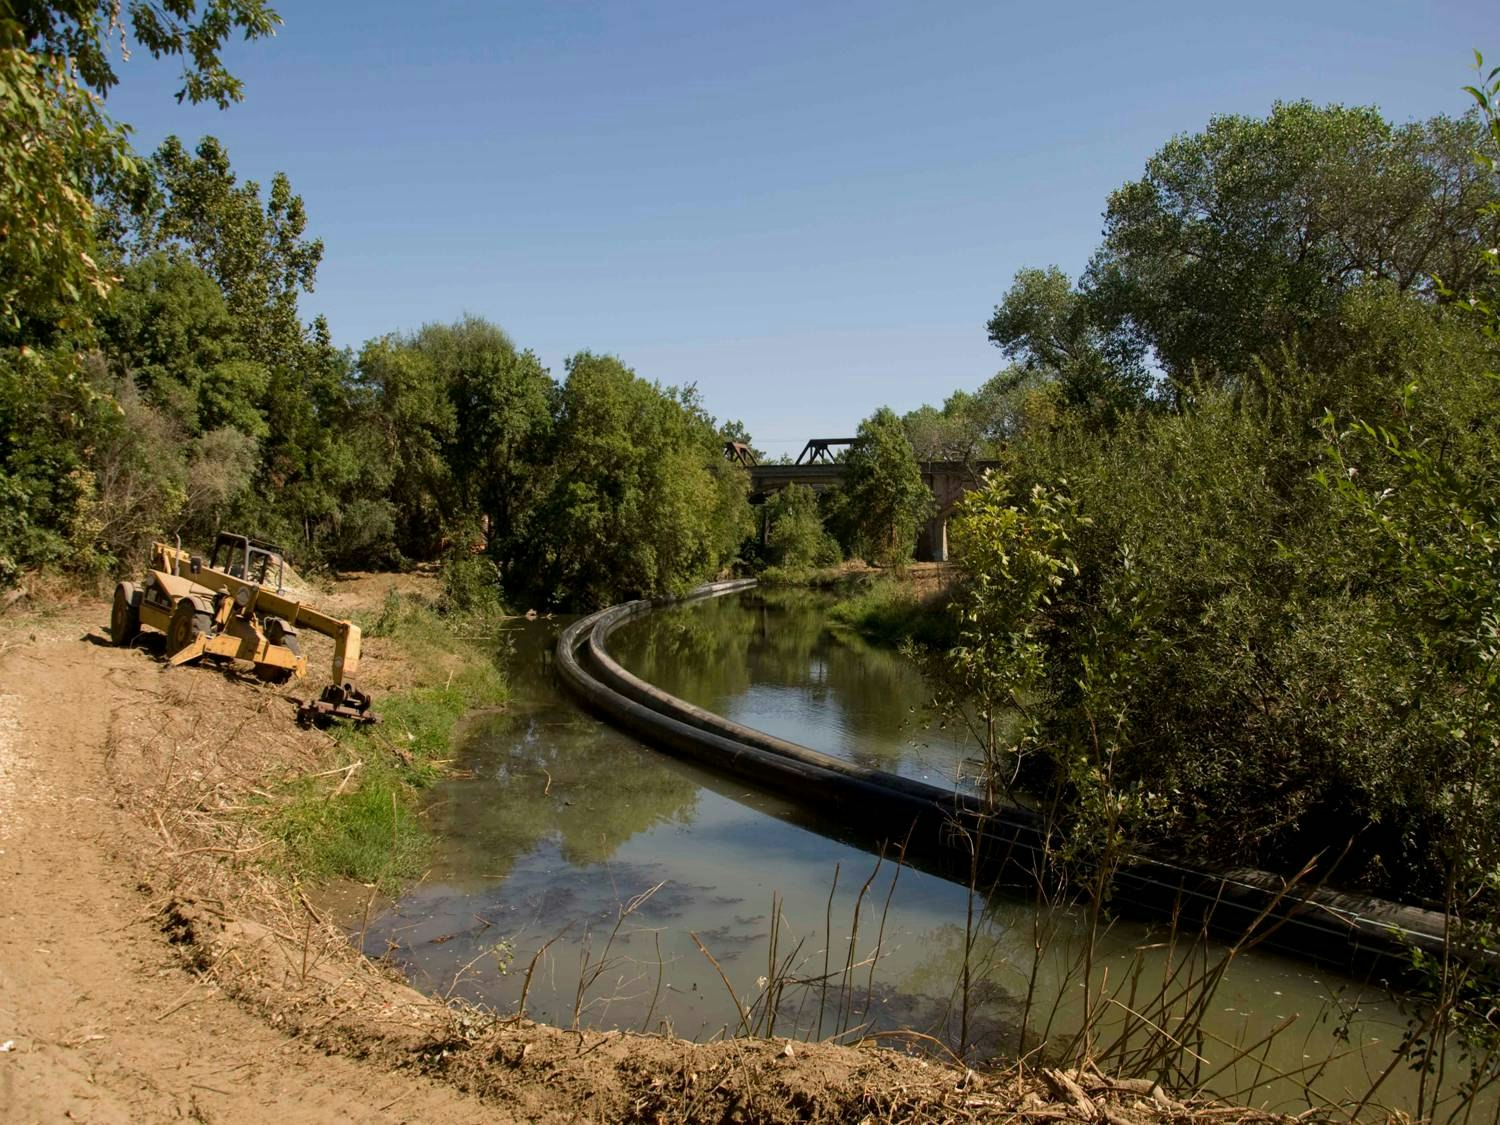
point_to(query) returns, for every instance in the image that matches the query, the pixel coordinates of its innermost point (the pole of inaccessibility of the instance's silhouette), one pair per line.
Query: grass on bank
(815, 577)
(890, 612)
(360, 820)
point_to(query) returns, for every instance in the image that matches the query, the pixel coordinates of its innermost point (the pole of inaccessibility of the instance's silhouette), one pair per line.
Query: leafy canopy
(883, 496)
(58, 146)
(1241, 236)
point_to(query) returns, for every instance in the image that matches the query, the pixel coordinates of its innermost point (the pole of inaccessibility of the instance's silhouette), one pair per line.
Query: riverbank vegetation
(1262, 581)
(896, 613)
(359, 819)
(1248, 568)
(1232, 580)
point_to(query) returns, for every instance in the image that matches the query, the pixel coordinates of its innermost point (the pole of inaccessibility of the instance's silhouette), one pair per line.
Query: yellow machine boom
(229, 609)
(253, 599)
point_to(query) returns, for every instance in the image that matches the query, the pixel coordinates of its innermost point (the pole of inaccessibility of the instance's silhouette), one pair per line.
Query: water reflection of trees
(711, 653)
(542, 773)
(698, 652)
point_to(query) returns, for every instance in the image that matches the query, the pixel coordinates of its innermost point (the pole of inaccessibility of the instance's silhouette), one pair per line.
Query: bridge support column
(932, 542)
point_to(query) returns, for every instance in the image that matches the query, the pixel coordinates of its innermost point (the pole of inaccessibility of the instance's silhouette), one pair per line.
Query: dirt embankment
(157, 964)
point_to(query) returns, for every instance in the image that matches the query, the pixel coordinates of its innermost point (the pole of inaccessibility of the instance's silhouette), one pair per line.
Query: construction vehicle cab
(229, 609)
(249, 559)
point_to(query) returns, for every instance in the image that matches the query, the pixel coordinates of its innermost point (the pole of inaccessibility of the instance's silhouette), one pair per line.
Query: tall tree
(1053, 333)
(501, 399)
(462, 416)
(254, 248)
(642, 501)
(1242, 236)
(883, 491)
(167, 328)
(412, 423)
(795, 532)
(57, 145)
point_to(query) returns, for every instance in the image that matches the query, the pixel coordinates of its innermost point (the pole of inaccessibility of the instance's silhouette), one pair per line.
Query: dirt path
(99, 1020)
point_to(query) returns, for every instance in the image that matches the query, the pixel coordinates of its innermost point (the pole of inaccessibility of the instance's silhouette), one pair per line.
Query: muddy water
(614, 887)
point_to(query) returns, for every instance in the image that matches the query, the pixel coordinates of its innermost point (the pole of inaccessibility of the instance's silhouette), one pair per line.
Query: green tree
(50, 416)
(883, 498)
(57, 145)
(167, 327)
(501, 399)
(54, 142)
(795, 531)
(1247, 234)
(255, 250)
(1013, 557)
(412, 421)
(321, 489)
(1052, 332)
(316, 489)
(462, 417)
(641, 501)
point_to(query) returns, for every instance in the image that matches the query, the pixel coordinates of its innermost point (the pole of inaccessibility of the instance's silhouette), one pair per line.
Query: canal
(611, 886)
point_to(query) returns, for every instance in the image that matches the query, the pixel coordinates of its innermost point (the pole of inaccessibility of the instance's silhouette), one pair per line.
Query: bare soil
(156, 964)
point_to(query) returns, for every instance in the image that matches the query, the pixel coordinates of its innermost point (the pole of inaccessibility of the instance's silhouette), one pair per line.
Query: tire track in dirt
(103, 1022)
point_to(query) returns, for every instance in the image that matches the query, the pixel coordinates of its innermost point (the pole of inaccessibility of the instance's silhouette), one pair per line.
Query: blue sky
(809, 210)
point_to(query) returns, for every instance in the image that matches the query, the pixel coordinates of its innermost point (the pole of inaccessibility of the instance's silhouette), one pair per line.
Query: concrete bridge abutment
(946, 480)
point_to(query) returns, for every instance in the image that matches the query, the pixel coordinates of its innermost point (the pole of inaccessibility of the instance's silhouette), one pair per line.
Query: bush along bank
(893, 612)
(360, 819)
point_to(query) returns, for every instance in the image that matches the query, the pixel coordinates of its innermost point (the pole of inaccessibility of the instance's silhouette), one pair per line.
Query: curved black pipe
(947, 828)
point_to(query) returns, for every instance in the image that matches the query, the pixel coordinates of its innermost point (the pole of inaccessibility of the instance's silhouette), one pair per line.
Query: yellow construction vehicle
(234, 607)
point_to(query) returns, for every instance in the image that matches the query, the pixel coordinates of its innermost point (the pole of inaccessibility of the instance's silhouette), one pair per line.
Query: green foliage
(50, 415)
(641, 501)
(167, 326)
(57, 146)
(978, 426)
(888, 612)
(1233, 637)
(54, 141)
(883, 500)
(471, 586)
(1432, 525)
(794, 527)
(462, 417)
(1013, 558)
(253, 249)
(1278, 596)
(79, 32)
(1053, 333)
(1242, 236)
(1417, 489)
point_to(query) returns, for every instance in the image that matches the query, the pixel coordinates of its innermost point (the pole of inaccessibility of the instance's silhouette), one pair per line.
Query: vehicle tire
(276, 633)
(187, 625)
(125, 614)
(279, 633)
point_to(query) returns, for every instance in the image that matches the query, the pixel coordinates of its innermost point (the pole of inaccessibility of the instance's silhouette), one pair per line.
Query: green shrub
(797, 541)
(1231, 639)
(370, 829)
(471, 586)
(890, 612)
